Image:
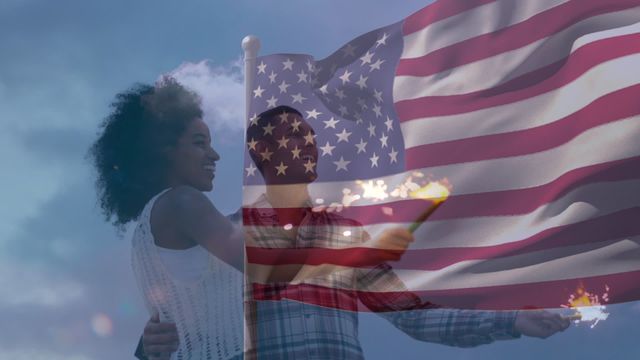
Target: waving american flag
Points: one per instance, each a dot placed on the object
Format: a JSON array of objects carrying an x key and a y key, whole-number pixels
[{"x": 529, "y": 109}]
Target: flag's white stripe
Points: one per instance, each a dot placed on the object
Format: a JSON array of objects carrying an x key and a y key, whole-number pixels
[
  {"x": 529, "y": 113},
  {"x": 615, "y": 256},
  {"x": 618, "y": 257},
  {"x": 584, "y": 203},
  {"x": 612, "y": 141},
  {"x": 496, "y": 70},
  {"x": 472, "y": 23},
  {"x": 609, "y": 142}
]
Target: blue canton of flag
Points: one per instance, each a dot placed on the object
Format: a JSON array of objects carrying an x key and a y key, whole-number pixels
[{"x": 347, "y": 100}]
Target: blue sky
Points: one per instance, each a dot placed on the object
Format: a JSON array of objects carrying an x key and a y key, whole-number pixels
[{"x": 62, "y": 268}]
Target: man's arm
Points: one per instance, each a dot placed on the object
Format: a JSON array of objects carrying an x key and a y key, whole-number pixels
[{"x": 453, "y": 327}]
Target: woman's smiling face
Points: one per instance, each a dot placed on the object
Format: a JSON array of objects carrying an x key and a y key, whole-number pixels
[{"x": 192, "y": 161}]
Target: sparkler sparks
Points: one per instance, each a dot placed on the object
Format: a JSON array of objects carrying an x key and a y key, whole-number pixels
[
  {"x": 378, "y": 190},
  {"x": 588, "y": 306}
]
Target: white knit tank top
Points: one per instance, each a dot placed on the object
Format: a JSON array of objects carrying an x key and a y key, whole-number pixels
[{"x": 207, "y": 311}]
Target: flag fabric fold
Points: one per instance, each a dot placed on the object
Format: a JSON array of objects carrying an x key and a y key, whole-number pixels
[{"x": 529, "y": 110}]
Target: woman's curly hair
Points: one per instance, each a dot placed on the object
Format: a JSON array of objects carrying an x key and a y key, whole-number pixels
[{"x": 130, "y": 152}]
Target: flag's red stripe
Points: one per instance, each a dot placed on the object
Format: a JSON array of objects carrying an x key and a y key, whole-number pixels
[
  {"x": 498, "y": 203},
  {"x": 437, "y": 11},
  {"x": 612, "y": 107},
  {"x": 548, "y": 294},
  {"x": 538, "y": 82},
  {"x": 613, "y": 226},
  {"x": 538, "y": 27}
]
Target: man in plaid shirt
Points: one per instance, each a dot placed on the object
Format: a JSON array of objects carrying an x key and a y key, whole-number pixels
[{"x": 315, "y": 315}]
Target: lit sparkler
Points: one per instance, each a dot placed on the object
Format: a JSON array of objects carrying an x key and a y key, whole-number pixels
[
  {"x": 434, "y": 191},
  {"x": 588, "y": 306}
]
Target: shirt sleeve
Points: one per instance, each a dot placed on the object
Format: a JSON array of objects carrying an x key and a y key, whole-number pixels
[{"x": 383, "y": 292}]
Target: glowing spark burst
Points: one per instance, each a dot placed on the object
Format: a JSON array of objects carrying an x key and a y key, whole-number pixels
[
  {"x": 102, "y": 325},
  {"x": 588, "y": 306},
  {"x": 374, "y": 190},
  {"x": 436, "y": 191}
]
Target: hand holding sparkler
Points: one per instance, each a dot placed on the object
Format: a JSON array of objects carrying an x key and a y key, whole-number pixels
[
  {"x": 393, "y": 242},
  {"x": 435, "y": 192},
  {"x": 540, "y": 323}
]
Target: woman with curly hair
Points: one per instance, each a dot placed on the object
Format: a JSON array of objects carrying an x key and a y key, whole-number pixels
[{"x": 154, "y": 160}]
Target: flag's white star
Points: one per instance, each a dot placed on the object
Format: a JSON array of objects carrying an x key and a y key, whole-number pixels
[
  {"x": 308, "y": 166},
  {"x": 288, "y": 64},
  {"x": 295, "y": 153},
  {"x": 316, "y": 69},
  {"x": 254, "y": 120},
  {"x": 389, "y": 124},
  {"x": 382, "y": 40},
  {"x": 282, "y": 143},
  {"x": 330, "y": 123},
  {"x": 252, "y": 144},
  {"x": 358, "y": 118},
  {"x": 374, "y": 160},
  {"x": 376, "y": 109},
  {"x": 362, "y": 103},
  {"x": 383, "y": 140},
  {"x": 271, "y": 102},
  {"x": 313, "y": 114},
  {"x": 258, "y": 92},
  {"x": 361, "y": 146},
  {"x": 261, "y": 68},
  {"x": 327, "y": 149},
  {"x": 349, "y": 50},
  {"x": 372, "y": 130},
  {"x": 343, "y": 110},
  {"x": 375, "y": 65},
  {"x": 296, "y": 125},
  {"x": 308, "y": 139},
  {"x": 345, "y": 77},
  {"x": 362, "y": 82},
  {"x": 266, "y": 155},
  {"x": 283, "y": 86},
  {"x": 366, "y": 59},
  {"x": 281, "y": 168},
  {"x": 298, "y": 98},
  {"x": 251, "y": 170},
  {"x": 272, "y": 77},
  {"x": 341, "y": 164},
  {"x": 343, "y": 136},
  {"x": 393, "y": 155},
  {"x": 284, "y": 117},
  {"x": 268, "y": 129},
  {"x": 302, "y": 76},
  {"x": 378, "y": 95},
  {"x": 323, "y": 89},
  {"x": 310, "y": 66},
  {"x": 340, "y": 94}
]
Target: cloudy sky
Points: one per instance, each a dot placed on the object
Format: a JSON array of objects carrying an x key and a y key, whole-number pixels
[{"x": 66, "y": 287}]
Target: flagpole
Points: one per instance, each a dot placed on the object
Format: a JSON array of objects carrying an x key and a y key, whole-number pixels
[{"x": 251, "y": 46}]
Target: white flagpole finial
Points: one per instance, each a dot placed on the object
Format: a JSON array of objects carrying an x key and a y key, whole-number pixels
[{"x": 251, "y": 46}]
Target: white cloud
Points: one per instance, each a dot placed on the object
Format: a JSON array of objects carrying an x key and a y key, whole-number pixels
[
  {"x": 32, "y": 354},
  {"x": 24, "y": 284},
  {"x": 221, "y": 89}
]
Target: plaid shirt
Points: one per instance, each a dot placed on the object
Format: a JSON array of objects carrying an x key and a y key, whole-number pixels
[{"x": 318, "y": 319}]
